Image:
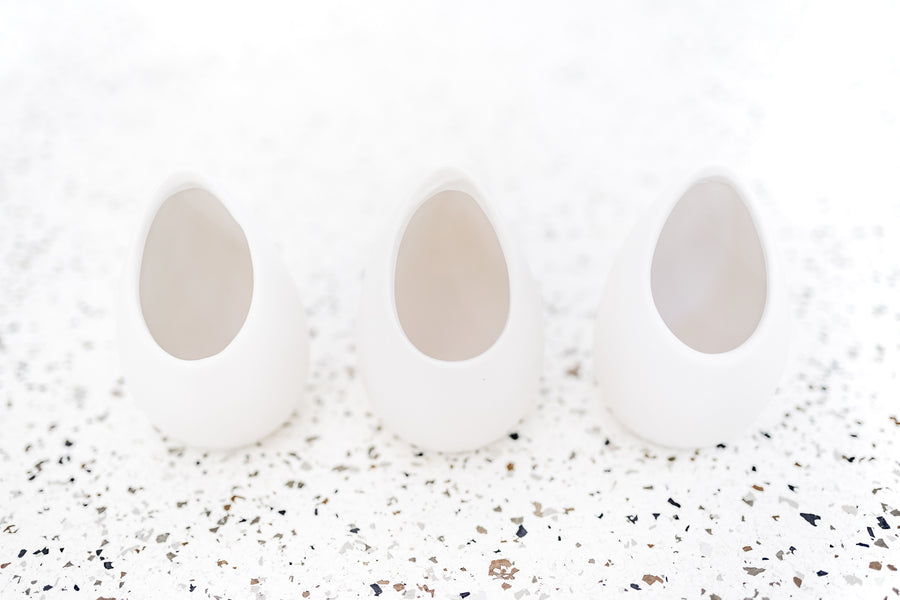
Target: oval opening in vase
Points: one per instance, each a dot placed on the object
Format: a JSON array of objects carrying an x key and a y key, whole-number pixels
[
  {"x": 196, "y": 279},
  {"x": 451, "y": 282},
  {"x": 708, "y": 275}
]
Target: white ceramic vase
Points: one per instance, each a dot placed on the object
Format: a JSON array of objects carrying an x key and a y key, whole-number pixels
[
  {"x": 212, "y": 335},
  {"x": 450, "y": 323},
  {"x": 693, "y": 327}
]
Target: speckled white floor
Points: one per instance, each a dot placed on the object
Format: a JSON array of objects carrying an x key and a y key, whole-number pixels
[{"x": 325, "y": 116}]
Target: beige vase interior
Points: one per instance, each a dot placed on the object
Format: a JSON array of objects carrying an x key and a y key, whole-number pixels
[
  {"x": 196, "y": 279},
  {"x": 451, "y": 283},
  {"x": 708, "y": 276}
]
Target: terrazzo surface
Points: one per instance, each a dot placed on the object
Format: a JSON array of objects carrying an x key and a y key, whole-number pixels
[{"x": 325, "y": 117}]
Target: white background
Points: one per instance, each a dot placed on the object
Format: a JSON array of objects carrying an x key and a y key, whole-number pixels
[{"x": 576, "y": 117}]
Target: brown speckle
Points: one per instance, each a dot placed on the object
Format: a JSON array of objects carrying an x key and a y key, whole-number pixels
[{"x": 502, "y": 568}]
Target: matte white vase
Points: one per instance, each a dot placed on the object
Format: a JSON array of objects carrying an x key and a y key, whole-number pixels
[
  {"x": 212, "y": 334},
  {"x": 450, "y": 323},
  {"x": 693, "y": 327}
]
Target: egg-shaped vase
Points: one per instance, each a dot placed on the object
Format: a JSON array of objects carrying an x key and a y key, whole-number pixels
[
  {"x": 212, "y": 336},
  {"x": 450, "y": 322},
  {"x": 693, "y": 327}
]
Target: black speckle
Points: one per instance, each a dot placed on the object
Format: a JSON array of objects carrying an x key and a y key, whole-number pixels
[
  {"x": 464, "y": 595},
  {"x": 635, "y": 586},
  {"x": 107, "y": 564},
  {"x": 354, "y": 530},
  {"x": 793, "y": 488},
  {"x": 193, "y": 587},
  {"x": 720, "y": 445},
  {"x": 673, "y": 503},
  {"x": 376, "y": 588},
  {"x": 77, "y": 589},
  {"x": 281, "y": 512},
  {"x": 882, "y": 523},
  {"x": 810, "y": 518},
  {"x": 655, "y": 516},
  {"x": 632, "y": 518},
  {"x": 22, "y": 552},
  {"x": 47, "y": 587},
  {"x": 522, "y": 532},
  {"x": 821, "y": 573},
  {"x": 514, "y": 436}
]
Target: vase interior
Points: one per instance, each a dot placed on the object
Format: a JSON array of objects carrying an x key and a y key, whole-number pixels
[
  {"x": 708, "y": 275},
  {"x": 451, "y": 281},
  {"x": 196, "y": 277}
]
